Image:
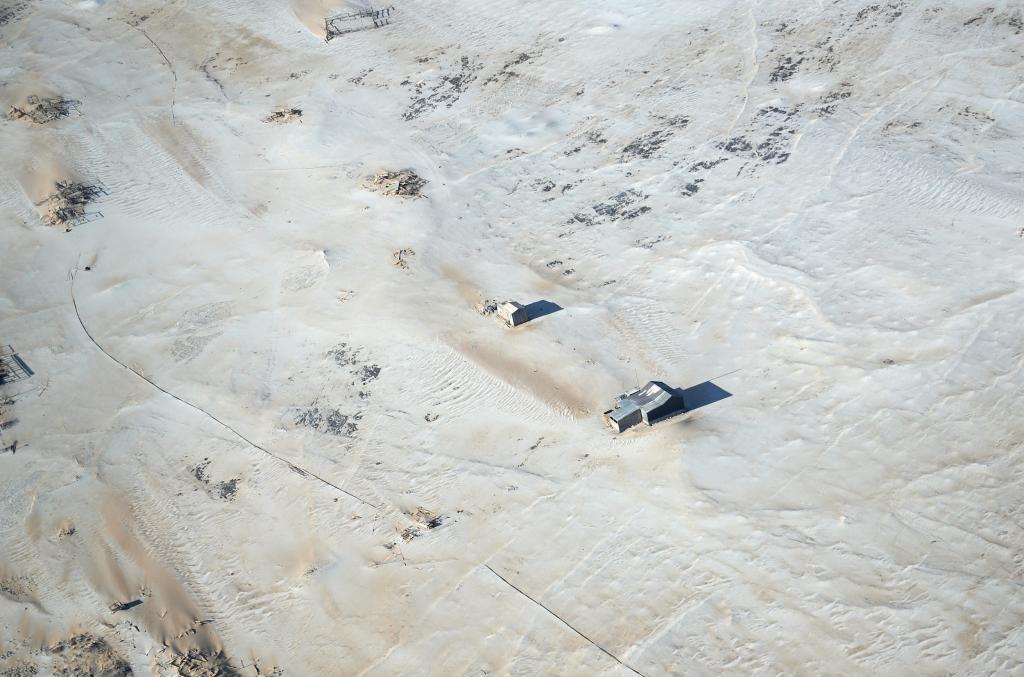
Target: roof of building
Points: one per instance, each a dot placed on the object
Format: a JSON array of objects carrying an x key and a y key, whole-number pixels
[
  {"x": 623, "y": 408},
  {"x": 655, "y": 400},
  {"x": 653, "y": 392}
]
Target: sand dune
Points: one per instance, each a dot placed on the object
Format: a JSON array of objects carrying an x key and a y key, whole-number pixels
[{"x": 259, "y": 425}]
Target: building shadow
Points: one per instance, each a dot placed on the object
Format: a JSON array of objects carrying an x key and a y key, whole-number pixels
[
  {"x": 124, "y": 606},
  {"x": 701, "y": 395},
  {"x": 541, "y": 308}
]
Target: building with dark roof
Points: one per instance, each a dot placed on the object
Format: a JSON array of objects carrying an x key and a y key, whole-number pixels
[{"x": 648, "y": 404}]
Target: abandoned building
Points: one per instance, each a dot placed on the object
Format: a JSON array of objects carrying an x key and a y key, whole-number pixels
[
  {"x": 514, "y": 314},
  {"x": 650, "y": 403}
]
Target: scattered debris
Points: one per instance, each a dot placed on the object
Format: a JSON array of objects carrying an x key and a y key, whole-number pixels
[
  {"x": 786, "y": 68},
  {"x": 352, "y": 22},
  {"x": 401, "y": 183},
  {"x": 359, "y": 368},
  {"x": 402, "y": 257},
  {"x": 368, "y": 372},
  {"x": 775, "y": 146},
  {"x": 329, "y": 421},
  {"x": 677, "y": 121},
  {"x": 506, "y": 71},
  {"x": 206, "y": 66},
  {"x": 901, "y": 126},
  {"x": 889, "y": 12},
  {"x": 284, "y": 116},
  {"x": 203, "y": 663},
  {"x": 358, "y": 80},
  {"x": 12, "y": 11},
  {"x": 618, "y": 206},
  {"x": 647, "y": 145},
  {"x": 343, "y": 355},
  {"x": 425, "y": 520},
  {"x": 446, "y": 91},
  {"x": 19, "y": 669},
  {"x": 594, "y": 136},
  {"x": 691, "y": 188},
  {"x": 487, "y": 307},
  {"x": 66, "y": 206},
  {"x": 226, "y": 489},
  {"x": 649, "y": 242},
  {"x": 707, "y": 164},
  {"x": 830, "y": 102},
  {"x": 17, "y": 587},
  {"x": 44, "y": 110}
]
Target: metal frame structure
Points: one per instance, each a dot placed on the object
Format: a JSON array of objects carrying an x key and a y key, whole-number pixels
[
  {"x": 12, "y": 367},
  {"x": 340, "y": 24}
]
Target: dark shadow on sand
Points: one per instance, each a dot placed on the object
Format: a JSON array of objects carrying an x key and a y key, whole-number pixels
[
  {"x": 701, "y": 395},
  {"x": 539, "y": 309}
]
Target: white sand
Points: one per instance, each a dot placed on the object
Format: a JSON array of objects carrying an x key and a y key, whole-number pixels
[{"x": 820, "y": 201}]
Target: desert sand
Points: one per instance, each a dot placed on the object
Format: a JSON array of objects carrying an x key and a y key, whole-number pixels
[{"x": 266, "y": 430}]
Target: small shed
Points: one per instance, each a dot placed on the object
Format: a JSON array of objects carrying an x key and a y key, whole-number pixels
[
  {"x": 650, "y": 403},
  {"x": 514, "y": 314}
]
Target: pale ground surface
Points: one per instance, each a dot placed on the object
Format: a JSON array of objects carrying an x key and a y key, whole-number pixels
[{"x": 821, "y": 200}]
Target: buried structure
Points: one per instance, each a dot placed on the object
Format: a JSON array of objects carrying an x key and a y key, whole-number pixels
[
  {"x": 513, "y": 314},
  {"x": 648, "y": 404}
]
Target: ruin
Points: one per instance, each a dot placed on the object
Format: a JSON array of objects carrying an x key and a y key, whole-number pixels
[
  {"x": 284, "y": 116},
  {"x": 44, "y": 110},
  {"x": 398, "y": 183},
  {"x": 351, "y": 22},
  {"x": 66, "y": 206},
  {"x": 649, "y": 404},
  {"x": 12, "y": 367}
]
